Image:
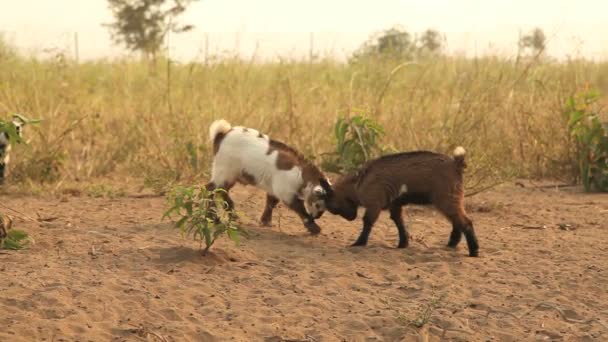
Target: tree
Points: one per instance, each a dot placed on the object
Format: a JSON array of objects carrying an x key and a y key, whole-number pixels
[
  {"x": 535, "y": 41},
  {"x": 398, "y": 44},
  {"x": 431, "y": 40},
  {"x": 393, "y": 43},
  {"x": 141, "y": 25}
]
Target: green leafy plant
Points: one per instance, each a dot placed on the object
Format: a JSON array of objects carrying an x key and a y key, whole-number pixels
[
  {"x": 12, "y": 239},
  {"x": 203, "y": 214},
  {"x": 357, "y": 141},
  {"x": 15, "y": 240},
  {"x": 590, "y": 140},
  {"x": 10, "y": 129}
]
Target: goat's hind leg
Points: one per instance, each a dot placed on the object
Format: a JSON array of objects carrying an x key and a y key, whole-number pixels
[
  {"x": 210, "y": 187},
  {"x": 462, "y": 224},
  {"x": 396, "y": 216},
  {"x": 455, "y": 236}
]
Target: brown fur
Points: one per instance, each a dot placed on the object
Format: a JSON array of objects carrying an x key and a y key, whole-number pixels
[
  {"x": 285, "y": 161},
  {"x": 288, "y": 157},
  {"x": 218, "y": 141},
  {"x": 247, "y": 179},
  {"x": 430, "y": 178}
]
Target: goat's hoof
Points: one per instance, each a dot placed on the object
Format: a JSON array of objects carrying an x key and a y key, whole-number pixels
[
  {"x": 314, "y": 230},
  {"x": 359, "y": 244},
  {"x": 266, "y": 223},
  {"x": 402, "y": 245},
  {"x": 473, "y": 253}
]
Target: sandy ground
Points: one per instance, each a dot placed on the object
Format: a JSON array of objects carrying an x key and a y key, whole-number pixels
[{"x": 111, "y": 270}]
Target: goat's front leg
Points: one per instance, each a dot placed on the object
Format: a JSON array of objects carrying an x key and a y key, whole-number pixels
[
  {"x": 297, "y": 205},
  {"x": 370, "y": 217},
  {"x": 271, "y": 203}
]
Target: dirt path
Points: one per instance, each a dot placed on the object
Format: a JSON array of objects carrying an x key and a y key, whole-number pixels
[{"x": 109, "y": 269}]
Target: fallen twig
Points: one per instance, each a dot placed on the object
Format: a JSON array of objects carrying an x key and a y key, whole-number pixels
[
  {"x": 524, "y": 226},
  {"x": 485, "y": 188},
  {"x": 20, "y": 214},
  {"x": 362, "y": 275},
  {"x": 144, "y": 332}
]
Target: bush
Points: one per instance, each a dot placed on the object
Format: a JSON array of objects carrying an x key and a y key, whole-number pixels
[
  {"x": 357, "y": 141},
  {"x": 203, "y": 214},
  {"x": 590, "y": 140}
]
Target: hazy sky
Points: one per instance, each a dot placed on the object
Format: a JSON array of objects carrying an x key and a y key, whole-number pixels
[{"x": 283, "y": 28}]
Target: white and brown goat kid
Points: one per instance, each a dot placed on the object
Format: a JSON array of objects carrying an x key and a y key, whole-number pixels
[
  {"x": 249, "y": 157},
  {"x": 5, "y": 146},
  {"x": 392, "y": 181}
]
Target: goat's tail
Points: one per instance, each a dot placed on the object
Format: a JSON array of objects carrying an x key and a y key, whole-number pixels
[
  {"x": 217, "y": 127},
  {"x": 459, "y": 154}
]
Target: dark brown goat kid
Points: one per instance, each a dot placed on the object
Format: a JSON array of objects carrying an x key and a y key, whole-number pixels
[{"x": 392, "y": 181}]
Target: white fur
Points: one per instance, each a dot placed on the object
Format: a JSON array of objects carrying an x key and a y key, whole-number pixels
[
  {"x": 246, "y": 151},
  {"x": 6, "y": 144},
  {"x": 217, "y": 127},
  {"x": 459, "y": 151},
  {"x": 403, "y": 189},
  {"x": 3, "y": 139},
  {"x": 4, "y": 155}
]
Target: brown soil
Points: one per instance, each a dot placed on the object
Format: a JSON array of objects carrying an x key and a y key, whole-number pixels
[{"x": 110, "y": 269}]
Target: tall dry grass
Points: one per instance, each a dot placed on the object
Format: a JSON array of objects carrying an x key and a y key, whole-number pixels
[{"x": 150, "y": 120}]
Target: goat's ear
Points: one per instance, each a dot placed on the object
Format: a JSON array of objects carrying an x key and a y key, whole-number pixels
[{"x": 326, "y": 186}]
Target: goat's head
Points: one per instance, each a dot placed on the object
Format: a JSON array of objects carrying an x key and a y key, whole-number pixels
[
  {"x": 338, "y": 201},
  {"x": 314, "y": 196},
  {"x": 19, "y": 123}
]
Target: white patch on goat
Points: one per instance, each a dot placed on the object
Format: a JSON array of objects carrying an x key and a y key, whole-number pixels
[
  {"x": 3, "y": 139},
  {"x": 252, "y": 132},
  {"x": 403, "y": 189},
  {"x": 218, "y": 127},
  {"x": 243, "y": 151},
  {"x": 318, "y": 190},
  {"x": 459, "y": 151},
  {"x": 4, "y": 152}
]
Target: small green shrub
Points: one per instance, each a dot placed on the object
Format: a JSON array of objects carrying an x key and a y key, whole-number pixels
[
  {"x": 15, "y": 240},
  {"x": 203, "y": 214},
  {"x": 357, "y": 141},
  {"x": 11, "y": 239},
  {"x": 590, "y": 140},
  {"x": 10, "y": 129}
]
